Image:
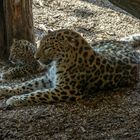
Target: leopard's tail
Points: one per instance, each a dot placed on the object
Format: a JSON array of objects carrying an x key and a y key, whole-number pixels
[{"x": 133, "y": 39}]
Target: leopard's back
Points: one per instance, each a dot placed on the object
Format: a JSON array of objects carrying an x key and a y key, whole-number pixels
[{"x": 110, "y": 64}]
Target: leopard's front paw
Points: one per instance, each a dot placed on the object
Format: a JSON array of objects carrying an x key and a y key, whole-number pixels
[
  {"x": 6, "y": 91},
  {"x": 16, "y": 101}
]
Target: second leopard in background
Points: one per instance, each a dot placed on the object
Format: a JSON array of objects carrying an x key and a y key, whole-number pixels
[{"x": 22, "y": 55}]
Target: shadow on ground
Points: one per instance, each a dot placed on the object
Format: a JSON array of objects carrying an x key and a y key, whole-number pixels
[{"x": 105, "y": 4}]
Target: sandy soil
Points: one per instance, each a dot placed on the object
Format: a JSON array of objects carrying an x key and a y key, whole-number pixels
[{"x": 109, "y": 115}]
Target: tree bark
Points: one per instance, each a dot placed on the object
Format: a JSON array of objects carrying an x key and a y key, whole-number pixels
[
  {"x": 2, "y": 34},
  {"x": 131, "y": 6},
  {"x": 16, "y": 21}
]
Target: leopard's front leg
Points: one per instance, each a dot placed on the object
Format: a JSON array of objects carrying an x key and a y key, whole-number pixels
[
  {"x": 44, "y": 96},
  {"x": 43, "y": 82}
]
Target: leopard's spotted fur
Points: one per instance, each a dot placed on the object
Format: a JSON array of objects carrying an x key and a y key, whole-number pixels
[
  {"x": 79, "y": 68},
  {"x": 22, "y": 55}
]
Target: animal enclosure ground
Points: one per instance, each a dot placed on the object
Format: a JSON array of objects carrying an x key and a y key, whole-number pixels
[{"x": 110, "y": 115}]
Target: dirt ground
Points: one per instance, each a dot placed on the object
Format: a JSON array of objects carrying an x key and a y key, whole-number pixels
[{"x": 109, "y": 115}]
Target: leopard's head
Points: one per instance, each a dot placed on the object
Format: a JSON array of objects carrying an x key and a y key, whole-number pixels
[
  {"x": 53, "y": 47},
  {"x": 21, "y": 52}
]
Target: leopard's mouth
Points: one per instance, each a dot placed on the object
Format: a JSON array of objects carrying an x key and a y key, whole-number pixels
[{"x": 45, "y": 61}]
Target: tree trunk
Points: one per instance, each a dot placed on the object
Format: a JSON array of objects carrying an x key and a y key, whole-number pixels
[
  {"x": 131, "y": 6},
  {"x": 2, "y": 35},
  {"x": 16, "y": 21}
]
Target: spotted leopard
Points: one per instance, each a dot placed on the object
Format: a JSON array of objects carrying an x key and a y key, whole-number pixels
[
  {"x": 22, "y": 55},
  {"x": 79, "y": 69}
]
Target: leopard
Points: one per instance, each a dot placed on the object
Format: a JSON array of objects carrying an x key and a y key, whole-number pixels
[
  {"x": 78, "y": 69},
  {"x": 22, "y": 57}
]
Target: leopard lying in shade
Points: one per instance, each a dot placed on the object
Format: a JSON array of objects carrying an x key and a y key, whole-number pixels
[
  {"x": 22, "y": 55},
  {"x": 79, "y": 69}
]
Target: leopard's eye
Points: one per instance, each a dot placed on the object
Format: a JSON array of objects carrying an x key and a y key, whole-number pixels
[{"x": 48, "y": 49}]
